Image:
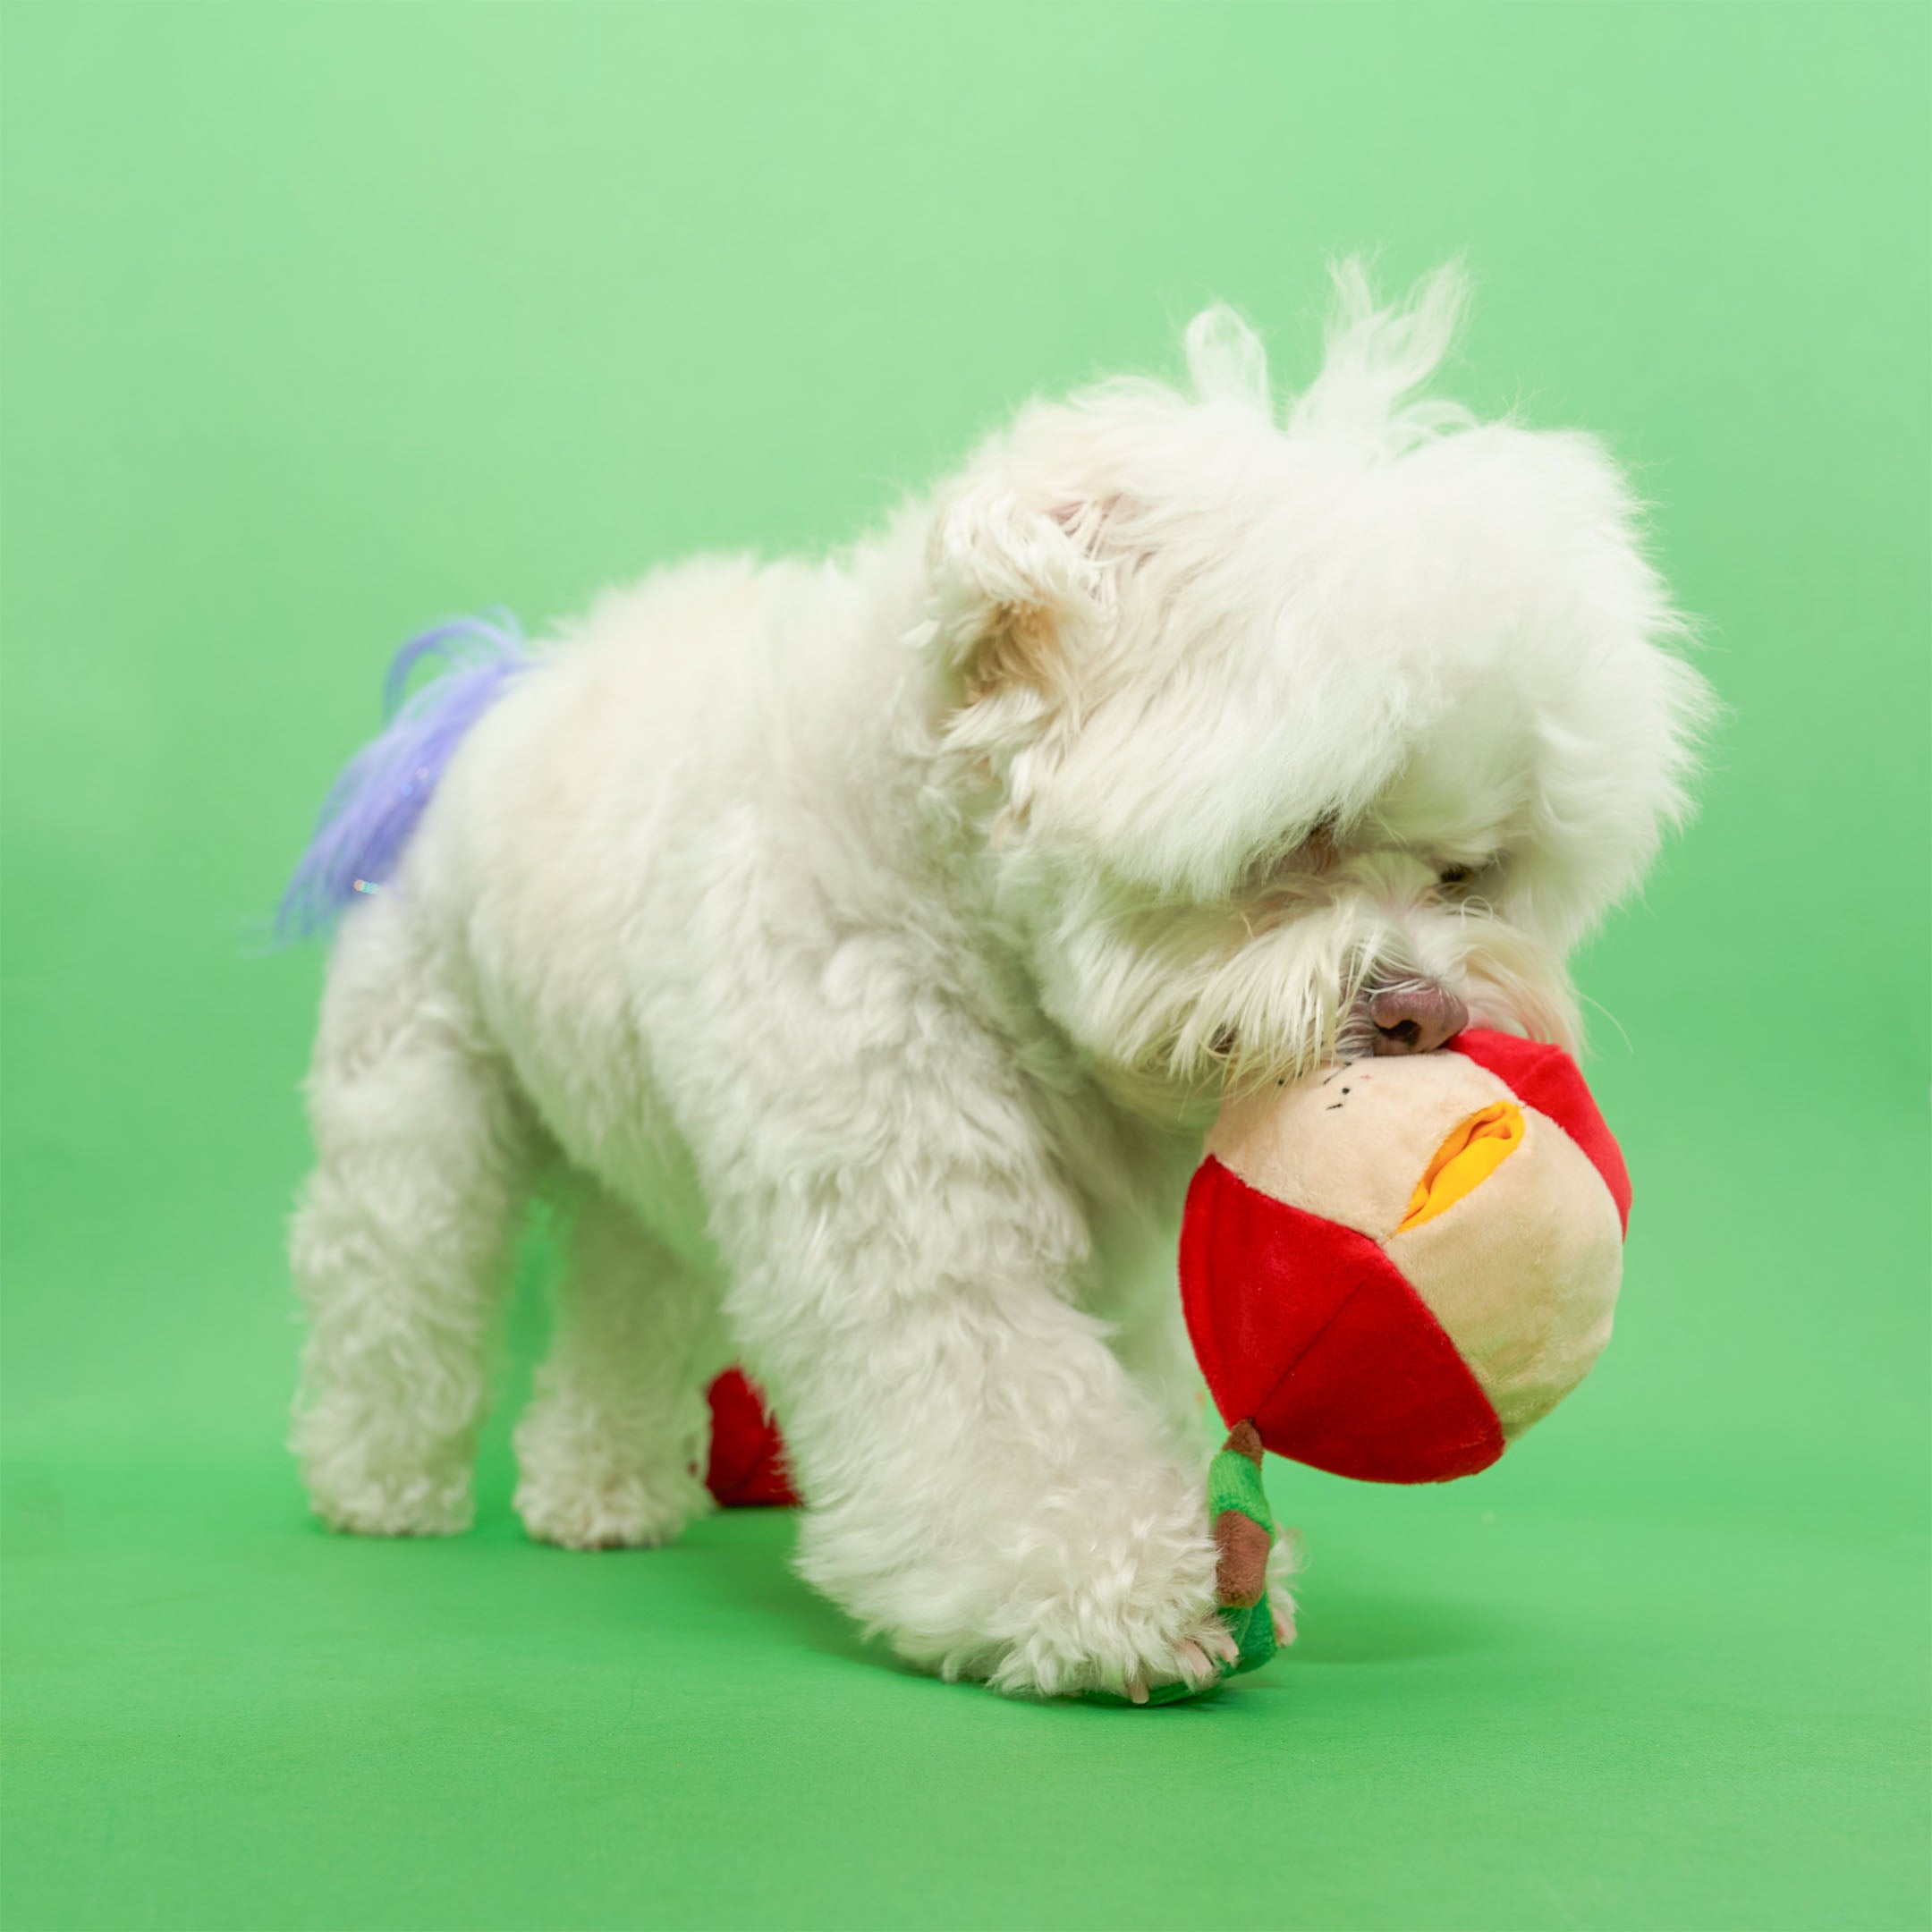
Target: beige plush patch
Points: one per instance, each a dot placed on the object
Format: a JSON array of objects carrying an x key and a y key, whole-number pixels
[
  {"x": 1523, "y": 1272},
  {"x": 1350, "y": 1142}
]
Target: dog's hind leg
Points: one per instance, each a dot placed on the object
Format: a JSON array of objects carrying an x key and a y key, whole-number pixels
[
  {"x": 402, "y": 1244},
  {"x": 611, "y": 1452}
]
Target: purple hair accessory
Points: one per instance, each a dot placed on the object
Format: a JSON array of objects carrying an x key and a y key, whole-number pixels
[{"x": 371, "y": 809}]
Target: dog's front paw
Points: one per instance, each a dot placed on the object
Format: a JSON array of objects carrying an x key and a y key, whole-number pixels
[
  {"x": 1070, "y": 1652},
  {"x": 1125, "y": 1609},
  {"x": 1192, "y": 1660}
]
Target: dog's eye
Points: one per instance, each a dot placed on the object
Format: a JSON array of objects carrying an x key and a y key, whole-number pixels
[
  {"x": 1455, "y": 875},
  {"x": 1316, "y": 851}
]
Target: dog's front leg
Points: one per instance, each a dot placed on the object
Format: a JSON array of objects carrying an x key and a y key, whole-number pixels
[{"x": 987, "y": 1485}]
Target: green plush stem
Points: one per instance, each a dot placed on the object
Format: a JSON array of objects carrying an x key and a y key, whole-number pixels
[{"x": 1234, "y": 1483}]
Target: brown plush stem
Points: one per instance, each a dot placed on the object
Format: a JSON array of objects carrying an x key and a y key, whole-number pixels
[
  {"x": 1240, "y": 1569},
  {"x": 1245, "y": 1439}
]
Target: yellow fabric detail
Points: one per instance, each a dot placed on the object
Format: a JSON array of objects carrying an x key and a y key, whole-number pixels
[{"x": 1476, "y": 1148}]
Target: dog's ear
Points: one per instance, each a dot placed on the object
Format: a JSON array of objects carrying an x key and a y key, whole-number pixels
[{"x": 1015, "y": 590}]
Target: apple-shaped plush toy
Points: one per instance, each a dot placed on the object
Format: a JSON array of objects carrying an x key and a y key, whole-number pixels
[{"x": 1391, "y": 1269}]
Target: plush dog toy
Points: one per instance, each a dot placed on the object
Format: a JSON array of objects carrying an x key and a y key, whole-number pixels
[
  {"x": 1390, "y": 1270},
  {"x": 1395, "y": 1266}
]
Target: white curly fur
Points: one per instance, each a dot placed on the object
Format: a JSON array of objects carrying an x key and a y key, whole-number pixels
[{"x": 862, "y": 945}]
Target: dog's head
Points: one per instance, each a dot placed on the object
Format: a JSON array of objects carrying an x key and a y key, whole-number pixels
[{"x": 1312, "y": 734}]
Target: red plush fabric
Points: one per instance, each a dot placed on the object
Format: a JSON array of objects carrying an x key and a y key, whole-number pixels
[
  {"x": 1309, "y": 1329},
  {"x": 746, "y": 1468},
  {"x": 1548, "y": 1079}
]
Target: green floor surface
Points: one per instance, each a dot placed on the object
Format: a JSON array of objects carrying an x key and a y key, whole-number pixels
[{"x": 221, "y": 1718}]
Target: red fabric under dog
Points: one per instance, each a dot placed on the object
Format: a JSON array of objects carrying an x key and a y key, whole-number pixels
[{"x": 746, "y": 1468}]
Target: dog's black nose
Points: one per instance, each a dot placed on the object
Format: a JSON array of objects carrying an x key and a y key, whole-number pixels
[{"x": 1415, "y": 1018}]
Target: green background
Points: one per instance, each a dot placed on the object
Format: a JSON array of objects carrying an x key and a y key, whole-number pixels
[{"x": 322, "y": 322}]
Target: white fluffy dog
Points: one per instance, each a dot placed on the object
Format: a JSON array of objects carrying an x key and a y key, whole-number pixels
[{"x": 861, "y": 947}]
